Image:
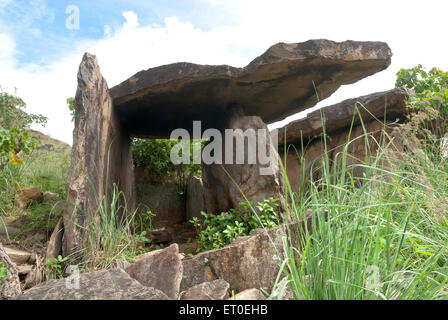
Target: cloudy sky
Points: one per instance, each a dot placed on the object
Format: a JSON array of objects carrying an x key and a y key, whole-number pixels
[{"x": 40, "y": 52}]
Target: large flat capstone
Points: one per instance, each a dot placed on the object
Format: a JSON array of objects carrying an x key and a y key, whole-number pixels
[{"x": 286, "y": 79}]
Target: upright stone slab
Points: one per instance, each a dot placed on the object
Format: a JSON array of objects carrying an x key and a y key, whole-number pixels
[
  {"x": 227, "y": 185},
  {"x": 101, "y": 156}
]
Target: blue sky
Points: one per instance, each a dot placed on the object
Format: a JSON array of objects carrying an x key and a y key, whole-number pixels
[
  {"x": 39, "y": 56},
  {"x": 39, "y": 25}
]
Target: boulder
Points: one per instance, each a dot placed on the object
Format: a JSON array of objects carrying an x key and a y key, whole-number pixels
[
  {"x": 160, "y": 269},
  {"x": 25, "y": 197},
  {"x": 113, "y": 284},
  {"x": 10, "y": 287},
  {"x": 101, "y": 156},
  {"x": 213, "y": 290},
  {"x": 249, "y": 294},
  {"x": 286, "y": 79},
  {"x": 195, "y": 199},
  {"x": 249, "y": 262}
]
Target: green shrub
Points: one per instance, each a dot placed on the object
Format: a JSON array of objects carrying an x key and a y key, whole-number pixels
[
  {"x": 54, "y": 267},
  {"x": 217, "y": 231},
  {"x": 431, "y": 95}
]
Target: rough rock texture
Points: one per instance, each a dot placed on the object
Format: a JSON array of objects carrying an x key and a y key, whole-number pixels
[
  {"x": 213, "y": 290},
  {"x": 10, "y": 287},
  {"x": 195, "y": 199},
  {"x": 163, "y": 199},
  {"x": 54, "y": 246},
  {"x": 18, "y": 256},
  {"x": 225, "y": 185},
  {"x": 101, "y": 152},
  {"x": 392, "y": 103},
  {"x": 249, "y": 262},
  {"x": 25, "y": 197},
  {"x": 277, "y": 84},
  {"x": 113, "y": 284},
  {"x": 246, "y": 263},
  {"x": 379, "y": 111},
  {"x": 161, "y": 269},
  {"x": 249, "y": 294}
]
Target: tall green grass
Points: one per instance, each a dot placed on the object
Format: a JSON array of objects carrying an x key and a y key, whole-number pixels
[{"x": 383, "y": 238}]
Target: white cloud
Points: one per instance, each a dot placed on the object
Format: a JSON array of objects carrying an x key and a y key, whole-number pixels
[{"x": 413, "y": 32}]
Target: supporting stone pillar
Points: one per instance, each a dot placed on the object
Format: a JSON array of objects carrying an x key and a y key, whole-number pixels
[
  {"x": 101, "y": 156},
  {"x": 227, "y": 185}
]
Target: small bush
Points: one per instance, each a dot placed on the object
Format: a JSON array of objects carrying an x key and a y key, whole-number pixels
[{"x": 220, "y": 230}]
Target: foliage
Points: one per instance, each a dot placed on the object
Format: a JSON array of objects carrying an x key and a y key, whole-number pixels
[
  {"x": 13, "y": 124},
  {"x": 143, "y": 221},
  {"x": 13, "y": 115},
  {"x": 384, "y": 239},
  {"x": 54, "y": 267},
  {"x": 431, "y": 93},
  {"x": 217, "y": 231},
  {"x": 71, "y": 106},
  {"x": 3, "y": 271},
  {"x": 3, "y": 274},
  {"x": 12, "y": 142},
  {"x": 154, "y": 155}
]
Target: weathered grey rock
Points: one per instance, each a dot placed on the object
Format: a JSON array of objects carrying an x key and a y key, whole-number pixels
[
  {"x": 25, "y": 197},
  {"x": 227, "y": 185},
  {"x": 10, "y": 287},
  {"x": 163, "y": 200},
  {"x": 195, "y": 199},
  {"x": 249, "y": 294},
  {"x": 161, "y": 269},
  {"x": 249, "y": 262},
  {"x": 213, "y": 290},
  {"x": 54, "y": 246},
  {"x": 279, "y": 83},
  {"x": 393, "y": 104},
  {"x": 101, "y": 155},
  {"x": 100, "y": 285}
]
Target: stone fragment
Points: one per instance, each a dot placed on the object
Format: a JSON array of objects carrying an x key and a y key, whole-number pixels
[
  {"x": 113, "y": 284},
  {"x": 160, "y": 269},
  {"x": 213, "y": 290},
  {"x": 249, "y": 294},
  {"x": 25, "y": 197}
]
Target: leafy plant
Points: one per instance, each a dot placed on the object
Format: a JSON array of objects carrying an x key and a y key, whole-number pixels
[
  {"x": 3, "y": 271},
  {"x": 431, "y": 94},
  {"x": 217, "y": 231},
  {"x": 71, "y": 106},
  {"x": 54, "y": 267},
  {"x": 13, "y": 115}
]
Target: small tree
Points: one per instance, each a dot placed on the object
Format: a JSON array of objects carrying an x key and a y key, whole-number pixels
[{"x": 14, "y": 122}]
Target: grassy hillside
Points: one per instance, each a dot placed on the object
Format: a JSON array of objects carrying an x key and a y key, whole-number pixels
[{"x": 45, "y": 168}]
